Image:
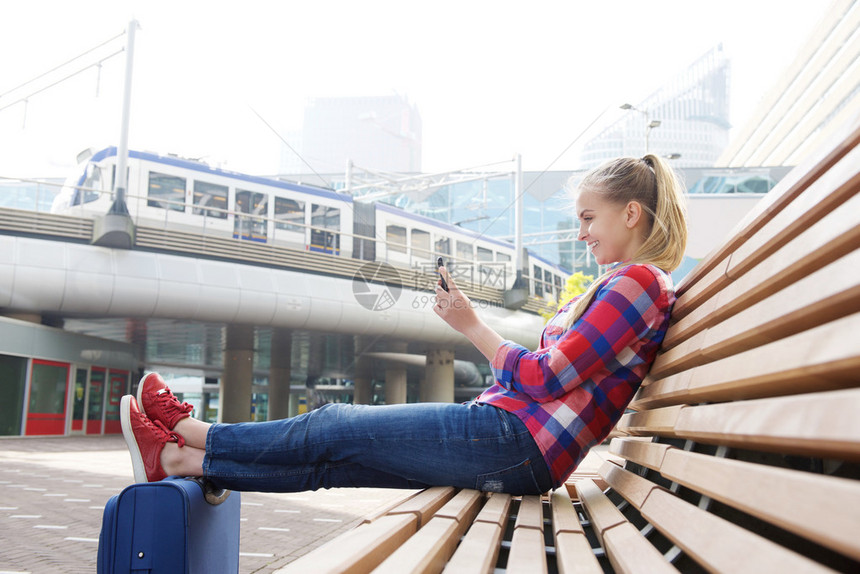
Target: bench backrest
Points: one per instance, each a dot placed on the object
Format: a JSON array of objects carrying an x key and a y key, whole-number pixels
[{"x": 742, "y": 452}]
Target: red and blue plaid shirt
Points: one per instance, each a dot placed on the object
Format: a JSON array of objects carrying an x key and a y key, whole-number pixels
[{"x": 575, "y": 387}]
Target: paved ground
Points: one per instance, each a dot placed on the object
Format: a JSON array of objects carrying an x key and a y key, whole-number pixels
[{"x": 53, "y": 491}]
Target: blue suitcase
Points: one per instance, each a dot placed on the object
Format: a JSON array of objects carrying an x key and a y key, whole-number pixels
[{"x": 173, "y": 526}]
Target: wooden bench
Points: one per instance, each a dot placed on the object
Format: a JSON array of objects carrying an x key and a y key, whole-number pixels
[{"x": 740, "y": 452}]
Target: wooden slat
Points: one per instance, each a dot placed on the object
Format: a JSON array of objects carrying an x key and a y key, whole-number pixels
[
  {"x": 629, "y": 553},
  {"x": 696, "y": 320},
  {"x": 426, "y": 551},
  {"x": 431, "y": 547},
  {"x": 715, "y": 543},
  {"x": 573, "y": 553},
  {"x": 827, "y": 294},
  {"x": 600, "y": 509},
  {"x": 528, "y": 550},
  {"x": 359, "y": 550},
  {"x": 683, "y": 356},
  {"x": 564, "y": 518},
  {"x": 656, "y": 421},
  {"x": 627, "y": 550},
  {"x": 479, "y": 549},
  {"x": 425, "y": 504},
  {"x": 495, "y": 510},
  {"x": 527, "y": 554},
  {"x": 831, "y": 292},
  {"x": 661, "y": 392},
  {"x": 718, "y": 544},
  {"x": 530, "y": 513},
  {"x": 821, "y": 508},
  {"x": 631, "y": 486},
  {"x": 830, "y": 190},
  {"x": 819, "y": 359},
  {"x": 380, "y": 512},
  {"x": 576, "y": 477},
  {"x": 647, "y": 454},
  {"x": 705, "y": 288},
  {"x": 816, "y": 424},
  {"x": 794, "y": 183},
  {"x": 463, "y": 507},
  {"x": 478, "y": 552},
  {"x": 827, "y": 239}
]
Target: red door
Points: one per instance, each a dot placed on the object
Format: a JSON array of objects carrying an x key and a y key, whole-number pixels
[{"x": 46, "y": 412}]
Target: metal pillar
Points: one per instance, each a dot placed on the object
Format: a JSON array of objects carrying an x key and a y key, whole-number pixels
[
  {"x": 236, "y": 384},
  {"x": 115, "y": 228},
  {"x": 438, "y": 383},
  {"x": 280, "y": 373}
]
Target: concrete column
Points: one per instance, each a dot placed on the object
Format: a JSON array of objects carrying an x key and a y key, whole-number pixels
[
  {"x": 235, "y": 395},
  {"x": 438, "y": 383},
  {"x": 279, "y": 374},
  {"x": 362, "y": 373},
  {"x": 395, "y": 377}
]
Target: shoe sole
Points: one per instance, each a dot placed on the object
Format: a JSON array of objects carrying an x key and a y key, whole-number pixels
[
  {"x": 136, "y": 459},
  {"x": 140, "y": 393}
]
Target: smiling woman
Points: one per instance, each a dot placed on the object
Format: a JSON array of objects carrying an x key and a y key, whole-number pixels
[{"x": 631, "y": 211}]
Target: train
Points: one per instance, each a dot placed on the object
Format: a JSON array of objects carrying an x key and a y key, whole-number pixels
[{"x": 190, "y": 195}]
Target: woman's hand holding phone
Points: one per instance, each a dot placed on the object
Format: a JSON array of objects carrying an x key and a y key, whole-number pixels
[{"x": 440, "y": 263}]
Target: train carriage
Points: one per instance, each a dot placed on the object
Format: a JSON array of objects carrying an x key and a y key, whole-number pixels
[{"x": 188, "y": 195}]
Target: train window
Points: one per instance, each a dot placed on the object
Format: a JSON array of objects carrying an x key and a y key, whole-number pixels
[
  {"x": 325, "y": 216},
  {"x": 465, "y": 251},
  {"x": 253, "y": 225},
  {"x": 166, "y": 191},
  {"x": 92, "y": 181},
  {"x": 421, "y": 243},
  {"x": 395, "y": 238},
  {"x": 210, "y": 195},
  {"x": 289, "y": 214},
  {"x": 485, "y": 254},
  {"x": 443, "y": 246},
  {"x": 538, "y": 277},
  {"x": 558, "y": 286},
  {"x": 503, "y": 257}
]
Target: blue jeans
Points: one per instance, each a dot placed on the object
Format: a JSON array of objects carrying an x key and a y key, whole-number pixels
[{"x": 394, "y": 446}]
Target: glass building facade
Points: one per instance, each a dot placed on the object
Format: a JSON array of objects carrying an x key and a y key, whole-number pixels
[{"x": 693, "y": 115}]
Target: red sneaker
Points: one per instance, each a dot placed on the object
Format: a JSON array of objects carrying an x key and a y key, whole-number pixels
[
  {"x": 145, "y": 439},
  {"x": 158, "y": 403}
]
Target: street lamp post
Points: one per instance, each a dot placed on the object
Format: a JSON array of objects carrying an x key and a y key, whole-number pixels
[{"x": 649, "y": 123}]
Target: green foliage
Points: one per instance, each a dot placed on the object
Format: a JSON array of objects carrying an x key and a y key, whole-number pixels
[{"x": 575, "y": 285}]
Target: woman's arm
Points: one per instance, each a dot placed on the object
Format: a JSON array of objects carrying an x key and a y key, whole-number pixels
[
  {"x": 630, "y": 306},
  {"x": 457, "y": 310}
]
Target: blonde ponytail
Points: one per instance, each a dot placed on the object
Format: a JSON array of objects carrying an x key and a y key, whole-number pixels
[{"x": 652, "y": 183}]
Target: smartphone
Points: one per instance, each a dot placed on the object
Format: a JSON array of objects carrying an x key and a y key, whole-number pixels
[{"x": 440, "y": 263}]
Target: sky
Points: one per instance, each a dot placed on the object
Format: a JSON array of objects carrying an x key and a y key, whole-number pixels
[{"x": 224, "y": 81}]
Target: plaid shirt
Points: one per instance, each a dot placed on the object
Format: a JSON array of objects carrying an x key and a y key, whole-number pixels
[{"x": 575, "y": 387}]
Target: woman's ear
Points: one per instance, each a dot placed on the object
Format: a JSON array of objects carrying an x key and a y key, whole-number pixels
[{"x": 632, "y": 214}]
